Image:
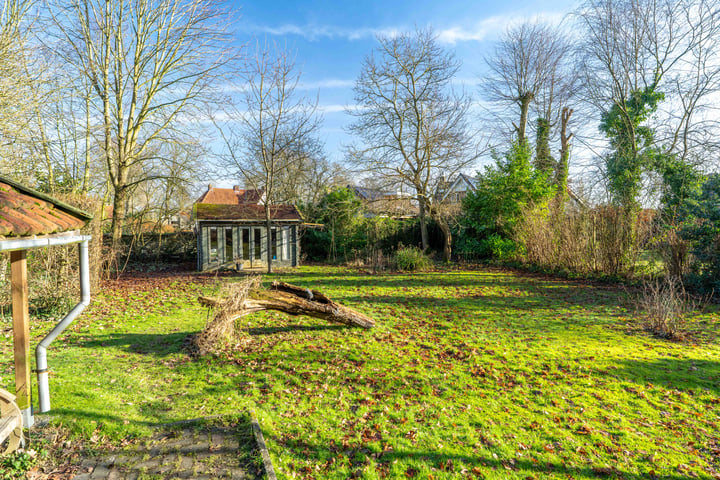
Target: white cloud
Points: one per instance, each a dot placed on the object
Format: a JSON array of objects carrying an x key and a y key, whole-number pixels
[
  {"x": 317, "y": 32},
  {"x": 481, "y": 30},
  {"x": 470, "y": 82},
  {"x": 326, "y": 84},
  {"x": 338, "y": 108},
  {"x": 491, "y": 26}
]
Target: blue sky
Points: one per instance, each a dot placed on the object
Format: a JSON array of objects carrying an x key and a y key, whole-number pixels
[{"x": 331, "y": 38}]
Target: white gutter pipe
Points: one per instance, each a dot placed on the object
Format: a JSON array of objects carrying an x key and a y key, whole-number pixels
[{"x": 41, "y": 349}]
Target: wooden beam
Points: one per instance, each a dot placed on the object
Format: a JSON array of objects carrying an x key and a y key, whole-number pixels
[{"x": 21, "y": 328}]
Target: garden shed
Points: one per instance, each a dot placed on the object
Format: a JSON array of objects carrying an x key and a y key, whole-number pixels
[
  {"x": 29, "y": 220},
  {"x": 232, "y": 233}
]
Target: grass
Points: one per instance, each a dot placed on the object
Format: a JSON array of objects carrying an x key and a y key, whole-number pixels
[{"x": 483, "y": 374}]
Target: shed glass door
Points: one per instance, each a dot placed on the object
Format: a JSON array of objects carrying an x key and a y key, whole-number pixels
[
  {"x": 245, "y": 241},
  {"x": 229, "y": 255}
]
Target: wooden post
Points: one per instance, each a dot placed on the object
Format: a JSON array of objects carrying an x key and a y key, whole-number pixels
[{"x": 21, "y": 331}]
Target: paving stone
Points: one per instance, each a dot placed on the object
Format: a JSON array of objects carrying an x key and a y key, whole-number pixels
[
  {"x": 196, "y": 453},
  {"x": 148, "y": 464},
  {"x": 115, "y": 475},
  {"x": 187, "y": 463},
  {"x": 101, "y": 471},
  {"x": 120, "y": 459},
  {"x": 217, "y": 438},
  {"x": 171, "y": 457}
]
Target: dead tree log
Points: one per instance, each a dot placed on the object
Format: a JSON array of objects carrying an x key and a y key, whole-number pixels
[
  {"x": 295, "y": 300},
  {"x": 247, "y": 297}
]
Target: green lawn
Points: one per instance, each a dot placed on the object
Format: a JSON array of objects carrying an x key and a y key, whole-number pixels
[{"x": 469, "y": 373}]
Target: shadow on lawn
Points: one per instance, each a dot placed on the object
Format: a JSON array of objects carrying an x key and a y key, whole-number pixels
[
  {"x": 142, "y": 343},
  {"x": 494, "y": 462},
  {"x": 446, "y": 280},
  {"x": 293, "y": 328},
  {"x": 680, "y": 374},
  {"x": 534, "y": 311}
]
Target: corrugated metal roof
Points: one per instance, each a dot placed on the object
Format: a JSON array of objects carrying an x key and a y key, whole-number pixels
[
  {"x": 246, "y": 212},
  {"x": 27, "y": 212}
]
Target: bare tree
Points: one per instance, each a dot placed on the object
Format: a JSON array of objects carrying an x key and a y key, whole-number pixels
[
  {"x": 665, "y": 46},
  {"x": 412, "y": 125},
  {"x": 529, "y": 68},
  {"x": 652, "y": 70},
  {"x": 16, "y": 86},
  {"x": 305, "y": 174},
  {"x": 148, "y": 63},
  {"x": 271, "y": 130}
]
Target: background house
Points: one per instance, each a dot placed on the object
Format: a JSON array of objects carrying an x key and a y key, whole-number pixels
[
  {"x": 384, "y": 203},
  {"x": 231, "y": 230},
  {"x": 452, "y": 191}
]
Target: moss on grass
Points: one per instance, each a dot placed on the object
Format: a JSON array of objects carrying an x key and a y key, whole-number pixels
[{"x": 469, "y": 373}]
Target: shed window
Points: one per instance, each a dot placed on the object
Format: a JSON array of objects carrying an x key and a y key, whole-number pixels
[
  {"x": 256, "y": 245},
  {"x": 286, "y": 243},
  {"x": 273, "y": 243},
  {"x": 229, "y": 245},
  {"x": 213, "y": 244},
  {"x": 246, "y": 243}
]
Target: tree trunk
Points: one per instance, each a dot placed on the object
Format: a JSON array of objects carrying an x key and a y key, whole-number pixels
[
  {"x": 543, "y": 160},
  {"x": 118, "y": 220},
  {"x": 423, "y": 225},
  {"x": 561, "y": 173},
  {"x": 295, "y": 300},
  {"x": 268, "y": 238},
  {"x": 447, "y": 240},
  {"x": 524, "y": 107},
  {"x": 247, "y": 297},
  {"x": 447, "y": 234}
]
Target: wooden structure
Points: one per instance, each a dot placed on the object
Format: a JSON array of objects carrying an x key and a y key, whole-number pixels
[
  {"x": 232, "y": 233},
  {"x": 11, "y": 423},
  {"x": 30, "y": 219}
]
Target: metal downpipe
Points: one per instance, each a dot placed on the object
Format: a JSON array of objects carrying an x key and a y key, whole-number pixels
[{"x": 41, "y": 349}]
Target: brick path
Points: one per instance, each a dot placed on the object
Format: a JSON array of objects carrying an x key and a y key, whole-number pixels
[{"x": 182, "y": 452}]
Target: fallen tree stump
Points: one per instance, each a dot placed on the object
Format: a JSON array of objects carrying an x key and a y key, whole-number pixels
[{"x": 247, "y": 297}]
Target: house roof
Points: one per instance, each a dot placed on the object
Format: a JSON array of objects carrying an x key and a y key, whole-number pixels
[
  {"x": 245, "y": 212},
  {"x": 231, "y": 196},
  {"x": 369, "y": 194},
  {"x": 27, "y": 212},
  {"x": 470, "y": 182},
  {"x": 461, "y": 183}
]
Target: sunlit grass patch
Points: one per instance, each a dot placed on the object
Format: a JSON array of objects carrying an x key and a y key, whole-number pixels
[{"x": 468, "y": 373}]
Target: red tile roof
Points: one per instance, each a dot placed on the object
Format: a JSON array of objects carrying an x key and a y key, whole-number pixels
[
  {"x": 231, "y": 196},
  {"x": 249, "y": 212},
  {"x": 237, "y": 205},
  {"x": 26, "y": 212}
]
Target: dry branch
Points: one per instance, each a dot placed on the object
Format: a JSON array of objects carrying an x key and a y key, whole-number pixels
[{"x": 247, "y": 297}]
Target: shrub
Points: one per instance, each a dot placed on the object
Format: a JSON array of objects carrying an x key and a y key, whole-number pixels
[
  {"x": 503, "y": 193},
  {"x": 665, "y": 306},
  {"x": 499, "y": 248},
  {"x": 15, "y": 465},
  {"x": 702, "y": 230},
  {"x": 411, "y": 259},
  {"x": 582, "y": 241}
]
